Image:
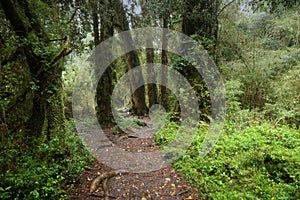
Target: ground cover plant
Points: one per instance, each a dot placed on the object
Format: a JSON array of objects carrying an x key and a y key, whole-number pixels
[{"x": 42, "y": 172}]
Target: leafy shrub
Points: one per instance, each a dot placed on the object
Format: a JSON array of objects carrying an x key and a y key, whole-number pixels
[
  {"x": 259, "y": 162},
  {"x": 167, "y": 134},
  {"x": 284, "y": 104},
  {"x": 39, "y": 173}
]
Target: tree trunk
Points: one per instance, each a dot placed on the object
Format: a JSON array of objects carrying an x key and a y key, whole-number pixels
[
  {"x": 95, "y": 17},
  {"x": 105, "y": 84},
  {"x": 202, "y": 18},
  {"x": 132, "y": 60},
  {"x": 152, "y": 89},
  {"x": 43, "y": 104},
  {"x": 164, "y": 61}
]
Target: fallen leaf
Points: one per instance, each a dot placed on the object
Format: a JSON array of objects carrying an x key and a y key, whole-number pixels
[
  {"x": 189, "y": 197},
  {"x": 134, "y": 186}
]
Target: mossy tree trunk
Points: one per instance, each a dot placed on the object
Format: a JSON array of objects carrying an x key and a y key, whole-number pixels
[
  {"x": 152, "y": 89},
  {"x": 39, "y": 97},
  {"x": 105, "y": 84},
  {"x": 164, "y": 61},
  {"x": 200, "y": 19},
  {"x": 131, "y": 59}
]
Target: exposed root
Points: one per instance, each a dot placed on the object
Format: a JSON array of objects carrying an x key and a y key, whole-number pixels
[
  {"x": 103, "y": 178},
  {"x": 91, "y": 168},
  {"x": 126, "y": 137}
]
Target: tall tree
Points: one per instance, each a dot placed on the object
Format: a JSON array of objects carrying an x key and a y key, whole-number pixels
[
  {"x": 148, "y": 19},
  {"x": 131, "y": 59},
  {"x": 164, "y": 61},
  {"x": 38, "y": 100},
  {"x": 105, "y": 84},
  {"x": 201, "y": 18},
  {"x": 152, "y": 89}
]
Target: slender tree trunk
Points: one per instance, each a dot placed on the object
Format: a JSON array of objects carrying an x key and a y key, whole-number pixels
[
  {"x": 152, "y": 89},
  {"x": 164, "y": 61},
  {"x": 105, "y": 84},
  {"x": 201, "y": 17},
  {"x": 95, "y": 17},
  {"x": 132, "y": 60}
]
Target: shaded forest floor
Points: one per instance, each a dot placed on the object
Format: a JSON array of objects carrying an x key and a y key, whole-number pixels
[{"x": 165, "y": 183}]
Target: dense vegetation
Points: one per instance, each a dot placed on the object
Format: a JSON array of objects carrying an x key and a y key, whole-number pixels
[
  {"x": 257, "y": 155},
  {"x": 255, "y": 46}
]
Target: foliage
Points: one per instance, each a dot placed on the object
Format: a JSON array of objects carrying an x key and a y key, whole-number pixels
[
  {"x": 259, "y": 58},
  {"x": 127, "y": 123},
  {"x": 166, "y": 134},
  {"x": 284, "y": 106},
  {"x": 273, "y": 5},
  {"x": 256, "y": 162},
  {"x": 41, "y": 172}
]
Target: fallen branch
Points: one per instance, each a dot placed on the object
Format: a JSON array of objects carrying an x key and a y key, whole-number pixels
[
  {"x": 62, "y": 54},
  {"x": 182, "y": 192},
  {"x": 59, "y": 39}
]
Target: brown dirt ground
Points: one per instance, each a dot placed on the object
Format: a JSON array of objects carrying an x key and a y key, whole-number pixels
[{"x": 163, "y": 184}]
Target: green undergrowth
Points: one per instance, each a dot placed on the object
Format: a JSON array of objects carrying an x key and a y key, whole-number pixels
[
  {"x": 42, "y": 171},
  {"x": 259, "y": 161},
  {"x": 127, "y": 123}
]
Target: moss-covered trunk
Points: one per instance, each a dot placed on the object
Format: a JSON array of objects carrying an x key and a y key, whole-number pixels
[
  {"x": 132, "y": 60},
  {"x": 105, "y": 84},
  {"x": 33, "y": 76}
]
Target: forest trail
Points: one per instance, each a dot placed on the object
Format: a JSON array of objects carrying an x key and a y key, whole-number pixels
[{"x": 163, "y": 184}]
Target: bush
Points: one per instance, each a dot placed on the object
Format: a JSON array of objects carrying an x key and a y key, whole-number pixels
[
  {"x": 39, "y": 173},
  {"x": 259, "y": 162}
]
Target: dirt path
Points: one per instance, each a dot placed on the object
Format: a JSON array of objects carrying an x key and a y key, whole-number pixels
[{"x": 165, "y": 183}]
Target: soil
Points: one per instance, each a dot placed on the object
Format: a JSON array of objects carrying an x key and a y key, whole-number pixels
[{"x": 163, "y": 184}]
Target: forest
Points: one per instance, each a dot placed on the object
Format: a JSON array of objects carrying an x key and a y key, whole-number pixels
[{"x": 220, "y": 79}]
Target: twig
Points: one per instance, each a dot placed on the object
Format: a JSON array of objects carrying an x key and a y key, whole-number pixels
[
  {"x": 224, "y": 7},
  {"x": 59, "y": 39},
  {"x": 73, "y": 15},
  {"x": 182, "y": 192},
  {"x": 62, "y": 54}
]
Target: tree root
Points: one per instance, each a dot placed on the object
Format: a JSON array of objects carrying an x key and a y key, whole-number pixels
[
  {"x": 103, "y": 178},
  {"x": 126, "y": 137}
]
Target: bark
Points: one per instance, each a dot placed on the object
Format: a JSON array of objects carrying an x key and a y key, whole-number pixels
[
  {"x": 132, "y": 60},
  {"x": 164, "y": 61},
  {"x": 152, "y": 89},
  {"x": 204, "y": 22},
  {"x": 96, "y": 31},
  {"x": 43, "y": 105},
  {"x": 201, "y": 18},
  {"x": 105, "y": 84}
]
